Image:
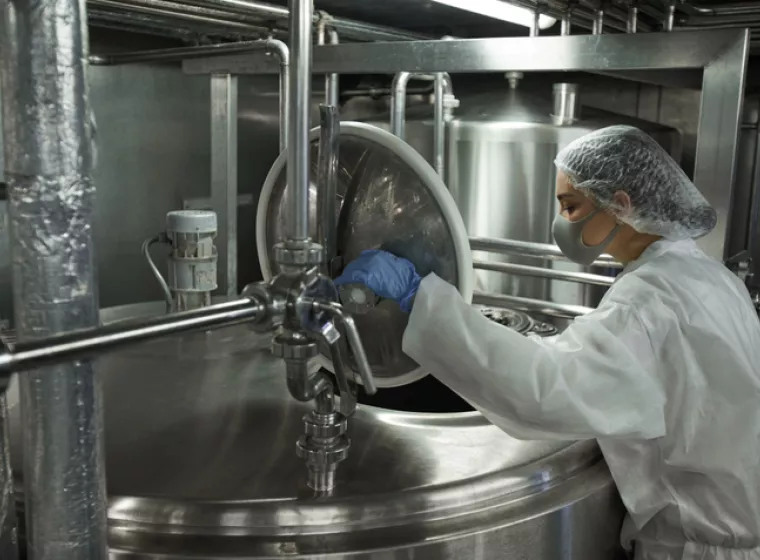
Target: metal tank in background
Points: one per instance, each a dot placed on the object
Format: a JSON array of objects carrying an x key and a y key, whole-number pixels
[{"x": 499, "y": 167}]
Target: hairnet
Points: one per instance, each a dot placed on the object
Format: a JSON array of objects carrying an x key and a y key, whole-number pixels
[{"x": 623, "y": 158}]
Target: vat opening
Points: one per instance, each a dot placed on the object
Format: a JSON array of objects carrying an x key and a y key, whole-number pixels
[{"x": 426, "y": 395}]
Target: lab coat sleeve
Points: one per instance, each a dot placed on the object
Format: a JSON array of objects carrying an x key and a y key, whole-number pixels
[{"x": 595, "y": 380}]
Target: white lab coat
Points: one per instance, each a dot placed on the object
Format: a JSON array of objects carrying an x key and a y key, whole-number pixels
[{"x": 665, "y": 374}]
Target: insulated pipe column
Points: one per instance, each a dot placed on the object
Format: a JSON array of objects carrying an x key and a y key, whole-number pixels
[
  {"x": 300, "y": 22},
  {"x": 49, "y": 155}
]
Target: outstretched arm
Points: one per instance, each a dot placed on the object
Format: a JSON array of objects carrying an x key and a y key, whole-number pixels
[{"x": 594, "y": 380}]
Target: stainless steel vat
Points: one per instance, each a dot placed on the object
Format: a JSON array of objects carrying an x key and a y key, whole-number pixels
[
  {"x": 201, "y": 464},
  {"x": 500, "y": 150}
]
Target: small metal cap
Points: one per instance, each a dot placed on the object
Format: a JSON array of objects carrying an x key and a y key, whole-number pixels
[{"x": 191, "y": 221}]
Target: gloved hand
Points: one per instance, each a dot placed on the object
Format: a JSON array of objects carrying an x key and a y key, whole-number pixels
[{"x": 387, "y": 275}]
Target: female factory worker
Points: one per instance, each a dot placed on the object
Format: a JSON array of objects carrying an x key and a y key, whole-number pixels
[{"x": 665, "y": 373}]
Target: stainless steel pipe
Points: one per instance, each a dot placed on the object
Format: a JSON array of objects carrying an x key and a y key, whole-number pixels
[
  {"x": 439, "y": 125},
  {"x": 350, "y": 28},
  {"x": 633, "y": 19},
  {"x": 49, "y": 155},
  {"x": 327, "y": 180},
  {"x": 82, "y": 344},
  {"x": 272, "y": 46},
  {"x": 325, "y": 36},
  {"x": 298, "y": 126},
  {"x": 528, "y": 305},
  {"x": 442, "y": 89},
  {"x": 550, "y": 273},
  {"x": 529, "y": 249}
]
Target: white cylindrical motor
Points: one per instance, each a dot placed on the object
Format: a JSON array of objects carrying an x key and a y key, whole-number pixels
[{"x": 192, "y": 261}]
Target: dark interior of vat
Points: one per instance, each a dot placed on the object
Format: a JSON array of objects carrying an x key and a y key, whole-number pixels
[{"x": 426, "y": 395}]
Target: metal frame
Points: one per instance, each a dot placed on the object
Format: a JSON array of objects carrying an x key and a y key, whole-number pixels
[
  {"x": 720, "y": 53},
  {"x": 224, "y": 176}
]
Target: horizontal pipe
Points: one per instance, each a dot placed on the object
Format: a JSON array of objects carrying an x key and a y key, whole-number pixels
[
  {"x": 528, "y": 305},
  {"x": 350, "y": 28},
  {"x": 176, "y": 54},
  {"x": 723, "y": 20},
  {"x": 738, "y": 9},
  {"x": 164, "y": 25},
  {"x": 530, "y": 249},
  {"x": 538, "y": 272},
  {"x": 89, "y": 342},
  {"x": 205, "y": 20}
]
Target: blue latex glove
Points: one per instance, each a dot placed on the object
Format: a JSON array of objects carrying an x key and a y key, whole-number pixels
[{"x": 387, "y": 275}]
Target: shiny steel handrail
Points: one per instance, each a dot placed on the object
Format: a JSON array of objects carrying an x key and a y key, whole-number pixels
[
  {"x": 538, "y": 272},
  {"x": 531, "y": 249}
]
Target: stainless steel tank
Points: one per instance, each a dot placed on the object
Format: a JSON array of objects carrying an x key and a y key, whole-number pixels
[
  {"x": 201, "y": 464},
  {"x": 500, "y": 150}
]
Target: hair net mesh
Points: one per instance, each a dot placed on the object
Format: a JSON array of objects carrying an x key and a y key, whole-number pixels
[{"x": 623, "y": 158}]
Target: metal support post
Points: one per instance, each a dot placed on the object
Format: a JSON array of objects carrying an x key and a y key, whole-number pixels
[{"x": 224, "y": 168}]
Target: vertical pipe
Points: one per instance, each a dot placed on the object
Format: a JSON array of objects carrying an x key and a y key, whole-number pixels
[
  {"x": 8, "y": 522},
  {"x": 566, "y": 28},
  {"x": 535, "y": 27},
  {"x": 280, "y": 50},
  {"x": 598, "y": 28},
  {"x": 633, "y": 18},
  {"x": 670, "y": 16},
  {"x": 327, "y": 35},
  {"x": 398, "y": 104},
  {"x": 327, "y": 170},
  {"x": 224, "y": 181},
  {"x": 299, "y": 23},
  {"x": 49, "y": 156},
  {"x": 332, "y": 84},
  {"x": 439, "y": 126}
]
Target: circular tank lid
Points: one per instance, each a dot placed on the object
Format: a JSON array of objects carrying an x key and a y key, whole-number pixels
[{"x": 387, "y": 197}]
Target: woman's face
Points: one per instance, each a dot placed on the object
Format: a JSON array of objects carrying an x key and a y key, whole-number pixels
[{"x": 574, "y": 206}]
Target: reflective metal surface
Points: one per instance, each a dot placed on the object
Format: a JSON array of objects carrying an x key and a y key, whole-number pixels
[
  {"x": 389, "y": 198},
  {"x": 722, "y": 52},
  {"x": 201, "y": 463}
]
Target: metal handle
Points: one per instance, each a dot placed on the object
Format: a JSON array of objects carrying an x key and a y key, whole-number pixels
[{"x": 354, "y": 341}]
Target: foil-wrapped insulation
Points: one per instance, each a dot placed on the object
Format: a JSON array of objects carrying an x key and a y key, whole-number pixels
[{"x": 48, "y": 129}]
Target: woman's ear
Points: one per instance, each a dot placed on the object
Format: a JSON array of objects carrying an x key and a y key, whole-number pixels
[{"x": 623, "y": 201}]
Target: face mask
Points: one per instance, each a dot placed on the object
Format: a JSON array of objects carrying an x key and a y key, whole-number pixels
[{"x": 569, "y": 238}]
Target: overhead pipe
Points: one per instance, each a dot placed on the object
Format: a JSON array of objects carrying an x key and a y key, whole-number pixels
[
  {"x": 274, "y": 47},
  {"x": 349, "y": 28},
  {"x": 737, "y": 9},
  {"x": 208, "y": 21},
  {"x": 49, "y": 157}
]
